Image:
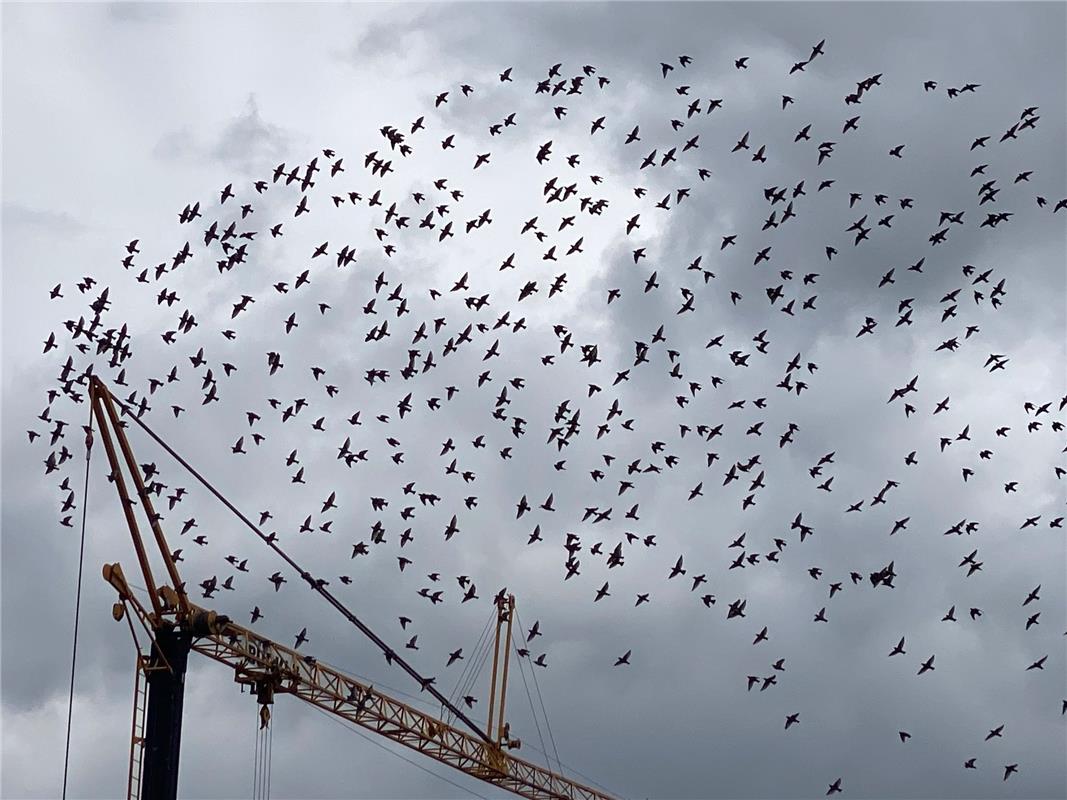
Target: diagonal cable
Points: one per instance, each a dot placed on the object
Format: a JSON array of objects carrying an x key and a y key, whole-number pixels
[{"x": 390, "y": 654}]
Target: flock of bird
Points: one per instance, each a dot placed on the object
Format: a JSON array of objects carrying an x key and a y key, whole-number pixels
[{"x": 422, "y": 350}]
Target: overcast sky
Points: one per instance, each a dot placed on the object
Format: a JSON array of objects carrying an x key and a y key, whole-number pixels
[{"x": 118, "y": 116}]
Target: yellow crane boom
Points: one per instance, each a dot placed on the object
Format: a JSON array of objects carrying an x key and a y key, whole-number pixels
[{"x": 257, "y": 661}]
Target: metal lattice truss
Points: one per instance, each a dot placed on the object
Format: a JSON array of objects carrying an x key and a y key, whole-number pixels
[{"x": 260, "y": 663}]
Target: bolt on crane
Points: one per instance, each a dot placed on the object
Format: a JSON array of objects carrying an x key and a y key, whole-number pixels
[{"x": 175, "y": 627}]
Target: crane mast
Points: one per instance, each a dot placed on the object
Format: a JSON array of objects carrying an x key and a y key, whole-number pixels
[{"x": 176, "y": 627}]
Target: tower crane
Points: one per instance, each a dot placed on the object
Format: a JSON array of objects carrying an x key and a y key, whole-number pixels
[{"x": 174, "y": 627}]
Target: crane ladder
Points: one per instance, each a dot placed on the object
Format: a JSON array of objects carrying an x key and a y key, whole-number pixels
[{"x": 140, "y": 706}]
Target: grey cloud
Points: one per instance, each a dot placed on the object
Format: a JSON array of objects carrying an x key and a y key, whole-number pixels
[
  {"x": 35, "y": 221},
  {"x": 678, "y": 722},
  {"x": 139, "y": 12},
  {"x": 247, "y": 143}
]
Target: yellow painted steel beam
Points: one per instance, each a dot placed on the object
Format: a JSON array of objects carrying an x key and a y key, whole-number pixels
[{"x": 255, "y": 659}]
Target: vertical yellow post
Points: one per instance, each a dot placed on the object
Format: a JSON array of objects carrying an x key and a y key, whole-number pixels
[
  {"x": 492, "y": 687},
  {"x": 508, "y": 609}
]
